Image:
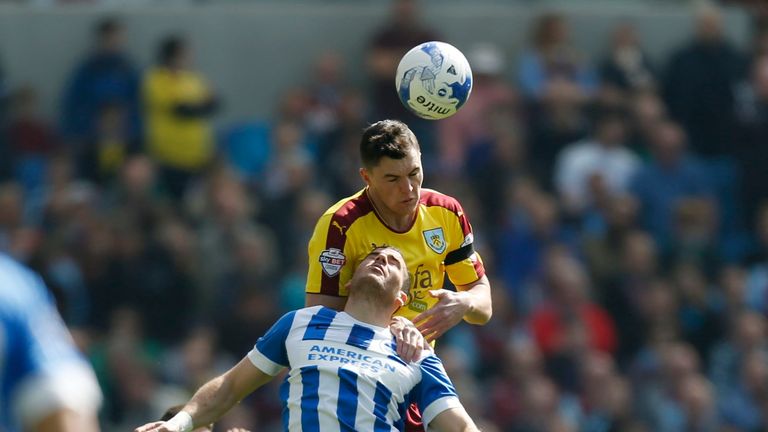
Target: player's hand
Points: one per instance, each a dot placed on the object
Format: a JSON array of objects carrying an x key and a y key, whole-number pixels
[
  {"x": 409, "y": 340},
  {"x": 449, "y": 311},
  {"x": 158, "y": 426}
]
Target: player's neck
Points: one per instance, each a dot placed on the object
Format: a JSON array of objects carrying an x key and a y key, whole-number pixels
[
  {"x": 368, "y": 312},
  {"x": 393, "y": 221}
]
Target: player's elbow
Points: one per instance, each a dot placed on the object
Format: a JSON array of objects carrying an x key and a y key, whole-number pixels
[{"x": 480, "y": 316}]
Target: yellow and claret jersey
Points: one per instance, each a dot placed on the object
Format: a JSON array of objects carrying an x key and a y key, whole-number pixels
[
  {"x": 438, "y": 242},
  {"x": 179, "y": 142}
]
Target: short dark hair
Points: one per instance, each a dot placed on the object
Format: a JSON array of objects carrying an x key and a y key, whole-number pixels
[
  {"x": 170, "y": 47},
  {"x": 386, "y": 138},
  {"x": 107, "y": 27}
]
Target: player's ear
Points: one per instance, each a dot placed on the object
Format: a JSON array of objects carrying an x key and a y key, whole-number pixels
[
  {"x": 402, "y": 298},
  {"x": 365, "y": 175}
]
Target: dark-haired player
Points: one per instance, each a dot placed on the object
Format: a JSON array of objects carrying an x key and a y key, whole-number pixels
[{"x": 429, "y": 228}]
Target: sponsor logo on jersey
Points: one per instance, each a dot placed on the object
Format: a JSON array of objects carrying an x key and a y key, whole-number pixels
[
  {"x": 332, "y": 260},
  {"x": 435, "y": 239}
]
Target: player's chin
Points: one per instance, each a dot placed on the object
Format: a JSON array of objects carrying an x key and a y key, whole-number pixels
[{"x": 409, "y": 205}]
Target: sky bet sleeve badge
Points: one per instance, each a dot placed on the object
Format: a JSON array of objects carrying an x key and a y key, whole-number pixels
[{"x": 332, "y": 260}]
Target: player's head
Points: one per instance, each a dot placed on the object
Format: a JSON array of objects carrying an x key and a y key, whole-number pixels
[
  {"x": 109, "y": 34},
  {"x": 382, "y": 277},
  {"x": 392, "y": 165},
  {"x": 173, "y": 52},
  {"x": 172, "y": 411}
]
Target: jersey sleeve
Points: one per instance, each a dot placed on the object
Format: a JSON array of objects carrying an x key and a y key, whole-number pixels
[
  {"x": 46, "y": 372},
  {"x": 435, "y": 392},
  {"x": 329, "y": 259},
  {"x": 269, "y": 354},
  {"x": 462, "y": 264}
]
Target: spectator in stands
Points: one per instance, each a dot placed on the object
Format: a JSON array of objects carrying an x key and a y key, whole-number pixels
[
  {"x": 699, "y": 85},
  {"x": 106, "y": 75},
  {"x": 743, "y": 405},
  {"x": 627, "y": 66},
  {"x": 668, "y": 179},
  {"x": 606, "y": 398},
  {"x": 553, "y": 67},
  {"x": 179, "y": 104},
  {"x": 105, "y": 152},
  {"x": 665, "y": 399},
  {"x": 746, "y": 333},
  {"x": 521, "y": 362},
  {"x": 647, "y": 109},
  {"x": 471, "y": 130},
  {"x": 31, "y": 138},
  {"x": 568, "y": 323},
  {"x": 751, "y": 136},
  {"x": 757, "y": 278},
  {"x": 592, "y": 170},
  {"x": 532, "y": 227},
  {"x": 544, "y": 408},
  {"x": 604, "y": 238},
  {"x": 700, "y": 322},
  {"x": 556, "y": 82}
]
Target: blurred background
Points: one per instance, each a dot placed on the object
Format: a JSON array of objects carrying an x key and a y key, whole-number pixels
[{"x": 162, "y": 165}]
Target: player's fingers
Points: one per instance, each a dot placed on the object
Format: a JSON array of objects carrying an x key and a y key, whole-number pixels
[
  {"x": 436, "y": 317},
  {"x": 438, "y": 293},
  {"x": 426, "y": 314},
  {"x": 149, "y": 427},
  {"x": 403, "y": 350},
  {"x": 413, "y": 353}
]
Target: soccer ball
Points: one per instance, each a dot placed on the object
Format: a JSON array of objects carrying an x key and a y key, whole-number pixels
[{"x": 433, "y": 80}]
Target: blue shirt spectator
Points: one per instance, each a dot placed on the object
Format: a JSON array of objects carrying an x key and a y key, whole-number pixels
[
  {"x": 106, "y": 76},
  {"x": 670, "y": 177}
]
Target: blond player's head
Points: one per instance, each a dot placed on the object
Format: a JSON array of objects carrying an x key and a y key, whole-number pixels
[{"x": 382, "y": 277}]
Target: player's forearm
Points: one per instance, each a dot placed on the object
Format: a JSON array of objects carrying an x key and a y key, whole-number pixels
[
  {"x": 211, "y": 401},
  {"x": 479, "y": 298},
  {"x": 453, "y": 420}
]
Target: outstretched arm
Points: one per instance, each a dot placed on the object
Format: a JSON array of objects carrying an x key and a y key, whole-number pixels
[
  {"x": 453, "y": 420},
  {"x": 213, "y": 399}
]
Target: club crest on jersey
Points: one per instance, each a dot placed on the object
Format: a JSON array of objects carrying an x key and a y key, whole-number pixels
[
  {"x": 435, "y": 239},
  {"x": 332, "y": 260}
]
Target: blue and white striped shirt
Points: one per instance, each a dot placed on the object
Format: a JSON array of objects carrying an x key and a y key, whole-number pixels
[
  {"x": 346, "y": 376},
  {"x": 40, "y": 367}
]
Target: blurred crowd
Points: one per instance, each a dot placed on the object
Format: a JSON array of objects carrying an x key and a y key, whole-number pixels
[{"x": 620, "y": 205}]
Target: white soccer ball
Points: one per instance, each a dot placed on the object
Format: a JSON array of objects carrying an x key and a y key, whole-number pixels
[{"x": 434, "y": 80}]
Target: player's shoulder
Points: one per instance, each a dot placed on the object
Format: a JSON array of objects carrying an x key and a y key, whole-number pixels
[
  {"x": 433, "y": 198},
  {"x": 350, "y": 208},
  {"x": 311, "y": 311}
]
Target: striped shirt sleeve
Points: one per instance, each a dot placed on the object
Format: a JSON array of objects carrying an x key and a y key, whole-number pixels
[
  {"x": 435, "y": 393},
  {"x": 270, "y": 354}
]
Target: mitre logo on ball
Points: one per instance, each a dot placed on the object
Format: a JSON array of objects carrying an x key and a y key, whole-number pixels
[{"x": 434, "y": 80}]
